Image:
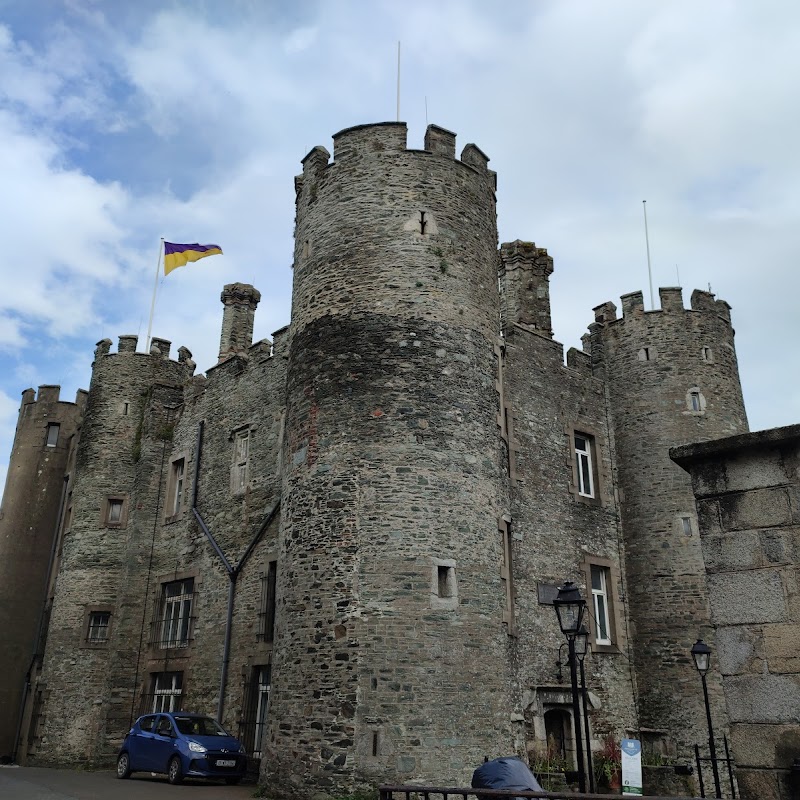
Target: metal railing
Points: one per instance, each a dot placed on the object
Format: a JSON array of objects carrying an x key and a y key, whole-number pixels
[{"x": 410, "y": 792}]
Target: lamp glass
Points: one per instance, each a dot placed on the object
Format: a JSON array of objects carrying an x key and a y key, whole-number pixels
[
  {"x": 701, "y": 653},
  {"x": 569, "y": 607}
]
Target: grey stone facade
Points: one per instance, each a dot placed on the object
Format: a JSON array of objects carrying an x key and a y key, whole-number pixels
[
  {"x": 748, "y": 502},
  {"x": 383, "y": 501}
]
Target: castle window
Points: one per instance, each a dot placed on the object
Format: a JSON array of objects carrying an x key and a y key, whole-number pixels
[
  {"x": 707, "y": 354},
  {"x": 174, "y": 622},
  {"x": 241, "y": 456},
  {"x": 52, "y": 434},
  {"x": 175, "y": 487},
  {"x": 166, "y": 691},
  {"x": 583, "y": 463},
  {"x": 685, "y": 525},
  {"x": 695, "y": 401},
  {"x": 422, "y": 222},
  {"x": 444, "y": 587},
  {"x": 115, "y": 513},
  {"x": 266, "y": 615},
  {"x": 601, "y": 576},
  {"x": 600, "y": 604},
  {"x": 125, "y": 409},
  {"x": 97, "y": 632},
  {"x": 647, "y": 354}
]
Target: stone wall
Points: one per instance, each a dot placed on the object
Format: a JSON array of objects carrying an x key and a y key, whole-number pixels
[
  {"x": 671, "y": 377},
  {"x": 748, "y": 502},
  {"x": 391, "y": 626},
  {"x": 33, "y": 501}
]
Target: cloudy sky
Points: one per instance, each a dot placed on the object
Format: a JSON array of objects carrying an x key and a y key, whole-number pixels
[{"x": 123, "y": 122}]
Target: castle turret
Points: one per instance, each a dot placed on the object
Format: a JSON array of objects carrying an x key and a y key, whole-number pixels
[
  {"x": 240, "y": 301},
  {"x": 390, "y": 578},
  {"x": 525, "y": 271},
  {"x": 672, "y": 378},
  {"x": 33, "y": 503},
  {"x": 96, "y": 617}
]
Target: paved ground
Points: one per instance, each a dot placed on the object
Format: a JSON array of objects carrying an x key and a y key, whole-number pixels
[{"x": 37, "y": 783}]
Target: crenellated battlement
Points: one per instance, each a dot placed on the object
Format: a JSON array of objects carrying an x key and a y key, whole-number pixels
[
  {"x": 671, "y": 300},
  {"x": 386, "y": 138},
  {"x": 159, "y": 348},
  {"x": 51, "y": 393}
]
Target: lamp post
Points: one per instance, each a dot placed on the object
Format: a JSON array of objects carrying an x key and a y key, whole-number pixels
[
  {"x": 570, "y": 606},
  {"x": 581, "y": 649},
  {"x": 701, "y": 653}
]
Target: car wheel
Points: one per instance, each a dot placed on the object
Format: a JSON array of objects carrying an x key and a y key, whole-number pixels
[
  {"x": 232, "y": 781},
  {"x": 175, "y": 770},
  {"x": 123, "y": 766}
]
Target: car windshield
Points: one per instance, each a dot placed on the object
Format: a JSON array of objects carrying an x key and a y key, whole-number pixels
[{"x": 200, "y": 726}]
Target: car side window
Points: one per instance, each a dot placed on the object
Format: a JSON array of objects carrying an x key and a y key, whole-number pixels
[
  {"x": 164, "y": 726},
  {"x": 146, "y": 723}
]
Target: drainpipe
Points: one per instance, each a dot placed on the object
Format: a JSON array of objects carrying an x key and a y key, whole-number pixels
[{"x": 223, "y": 678}]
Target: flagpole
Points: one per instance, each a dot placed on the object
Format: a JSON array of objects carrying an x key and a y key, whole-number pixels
[
  {"x": 153, "y": 302},
  {"x": 647, "y": 242},
  {"x": 398, "y": 81}
]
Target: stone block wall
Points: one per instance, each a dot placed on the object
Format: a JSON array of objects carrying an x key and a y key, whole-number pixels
[
  {"x": 747, "y": 490},
  {"x": 557, "y": 534}
]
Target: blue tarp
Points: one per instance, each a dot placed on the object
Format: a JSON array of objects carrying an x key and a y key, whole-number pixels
[{"x": 505, "y": 773}]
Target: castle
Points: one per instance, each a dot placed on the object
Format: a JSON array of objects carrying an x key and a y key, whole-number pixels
[{"x": 346, "y": 542}]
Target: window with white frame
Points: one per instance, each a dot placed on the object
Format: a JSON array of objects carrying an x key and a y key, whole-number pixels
[
  {"x": 167, "y": 688},
  {"x": 174, "y": 623},
  {"x": 584, "y": 466},
  {"x": 600, "y": 603},
  {"x": 241, "y": 456}
]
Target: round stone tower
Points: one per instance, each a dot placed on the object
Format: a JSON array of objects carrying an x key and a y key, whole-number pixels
[
  {"x": 671, "y": 378},
  {"x": 33, "y": 502},
  {"x": 391, "y": 653},
  {"x": 104, "y": 560}
]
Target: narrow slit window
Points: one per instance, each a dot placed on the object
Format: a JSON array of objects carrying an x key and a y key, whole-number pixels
[
  {"x": 694, "y": 400},
  {"x": 176, "y": 486},
  {"x": 52, "y": 434},
  {"x": 445, "y": 581}
]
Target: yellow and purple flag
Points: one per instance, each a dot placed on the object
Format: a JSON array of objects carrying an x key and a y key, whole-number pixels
[{"x": 176, "y": 255}]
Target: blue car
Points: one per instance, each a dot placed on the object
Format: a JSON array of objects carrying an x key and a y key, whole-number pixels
[{"x": 181, "y": 745}]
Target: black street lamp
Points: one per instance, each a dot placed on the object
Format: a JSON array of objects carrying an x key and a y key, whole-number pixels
[
  {"x": 701, "y": 653},
  {"x": 581, "y": 649},
  {"x": 570, "y": 607}
]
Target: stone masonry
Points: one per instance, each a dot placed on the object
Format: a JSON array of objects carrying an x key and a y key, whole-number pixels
[
  {"x": 747, "y": 490},
  {"x": 345, "y": 543}
]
